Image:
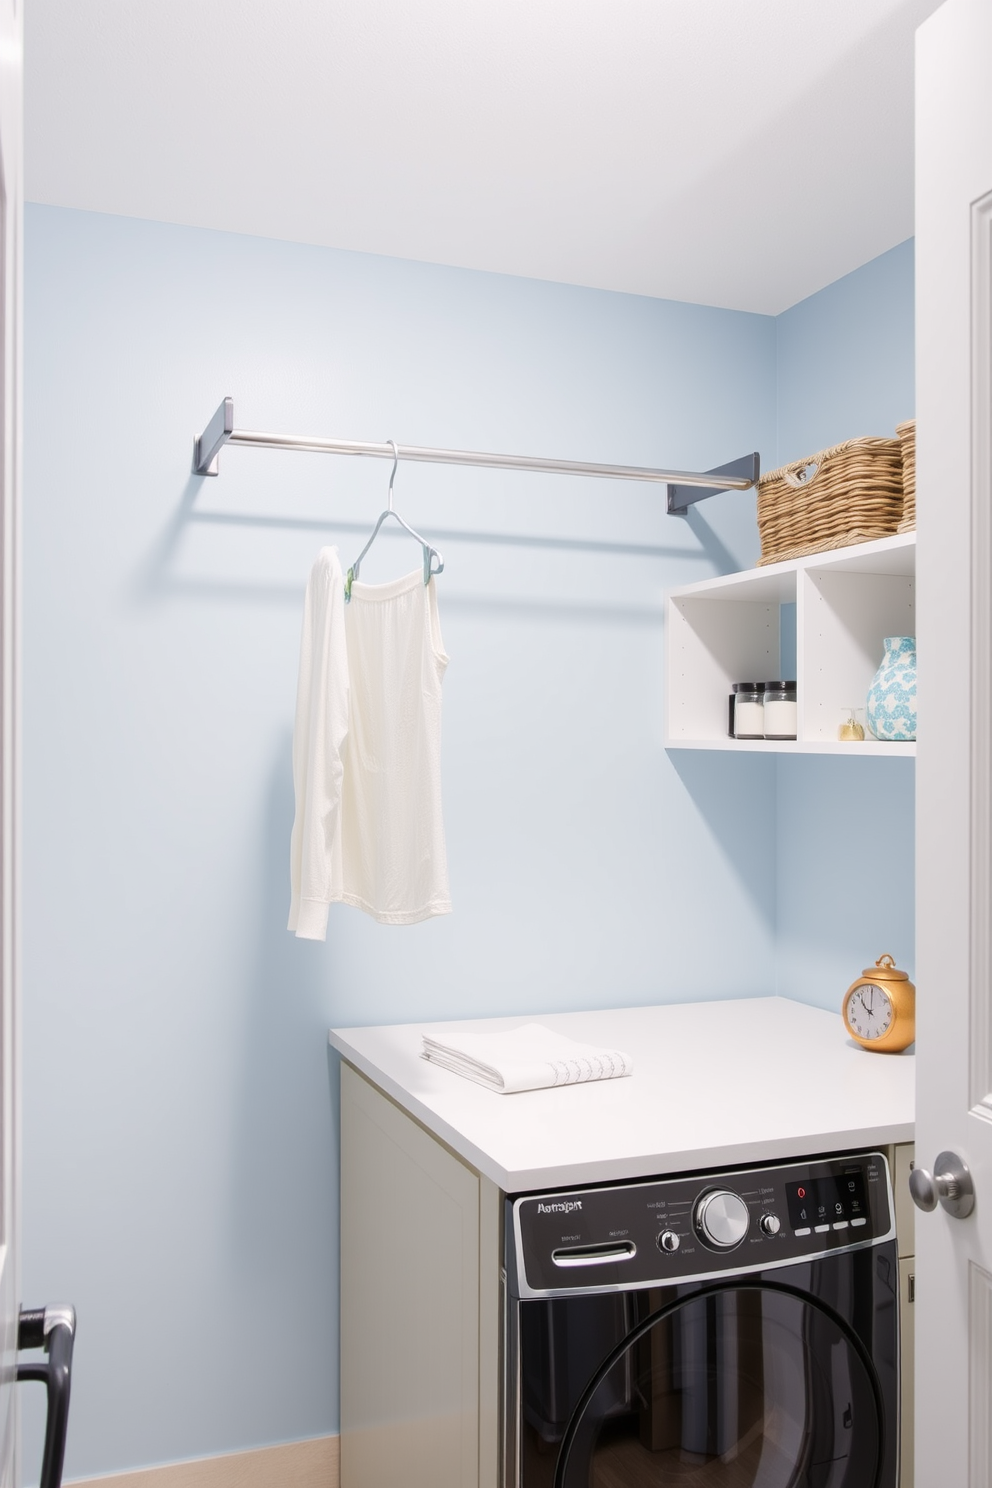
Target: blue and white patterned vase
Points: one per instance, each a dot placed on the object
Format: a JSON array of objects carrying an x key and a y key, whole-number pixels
[{"x": 891, "y": 709}]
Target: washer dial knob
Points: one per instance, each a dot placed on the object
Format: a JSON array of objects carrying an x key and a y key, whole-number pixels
[
  {"x": 770, "y": 1224},
  {"x": 669, "y": 1241},
  {"x": 722, "y": 1219}
]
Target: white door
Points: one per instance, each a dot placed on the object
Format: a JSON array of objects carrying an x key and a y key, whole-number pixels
[
  {"x": 11, "y": 30},
  {"x": 954, "y": 762},
  {"x": 11, "y": 24}
]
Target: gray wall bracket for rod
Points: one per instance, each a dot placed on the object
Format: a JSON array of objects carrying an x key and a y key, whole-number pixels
[
  {"x": 680, "y": 498},
  {"x": 208, "y": 445}
]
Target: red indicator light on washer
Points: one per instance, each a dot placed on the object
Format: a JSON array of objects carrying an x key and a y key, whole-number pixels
[{"x": 802, "y": 1193}]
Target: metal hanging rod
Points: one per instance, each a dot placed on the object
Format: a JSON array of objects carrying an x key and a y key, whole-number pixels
[{"x": 685, "y": 487}]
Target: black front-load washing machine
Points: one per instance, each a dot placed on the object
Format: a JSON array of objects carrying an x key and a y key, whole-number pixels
[{"x": 723, "y": 1330}]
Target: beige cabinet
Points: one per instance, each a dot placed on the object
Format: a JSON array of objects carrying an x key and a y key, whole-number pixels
[{"x": 420, "y": 1303}]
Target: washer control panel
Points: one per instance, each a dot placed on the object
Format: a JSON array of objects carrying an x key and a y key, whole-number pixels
[{"x": 669, "y": 1230}]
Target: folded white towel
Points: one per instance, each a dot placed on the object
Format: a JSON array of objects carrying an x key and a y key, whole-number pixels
[{"x": 528, "y": 1058}]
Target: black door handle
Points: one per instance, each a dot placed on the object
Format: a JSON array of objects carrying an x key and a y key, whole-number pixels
[{"x": 54, "y": 1330}]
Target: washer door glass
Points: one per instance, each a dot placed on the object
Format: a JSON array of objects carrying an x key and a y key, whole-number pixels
[{"x": 744, "y": 1387}]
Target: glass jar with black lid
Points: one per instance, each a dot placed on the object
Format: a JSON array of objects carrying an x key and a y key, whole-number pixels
[
  {"x": 747, "y": 710},
  {"x": 781, "y": 714}
]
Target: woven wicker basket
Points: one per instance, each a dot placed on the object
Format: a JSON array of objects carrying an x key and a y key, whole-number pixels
[
  {"x": 849, "y": 494},
  {"x": 907, "y": 439}
]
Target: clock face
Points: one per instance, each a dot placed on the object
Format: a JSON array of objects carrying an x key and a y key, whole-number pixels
[{"x": 869, "y": 1011}]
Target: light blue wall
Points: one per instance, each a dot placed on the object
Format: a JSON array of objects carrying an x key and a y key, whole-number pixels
[
  {"x": 845, "y": 826},
  {"x": 844, "y": 358},
  {"x": 179, "y": 1102}
]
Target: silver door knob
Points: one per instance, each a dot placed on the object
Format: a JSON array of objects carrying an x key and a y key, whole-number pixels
[{"x": 949, "y": 1185}]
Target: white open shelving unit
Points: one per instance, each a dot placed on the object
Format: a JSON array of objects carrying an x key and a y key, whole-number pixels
[{"x": 729, "y": 630}]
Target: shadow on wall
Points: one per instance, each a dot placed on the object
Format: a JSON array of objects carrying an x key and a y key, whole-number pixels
[
  {"x": 157, "y": 576},
  {"x": 710, "y": 545},
  {"x": 735, "y": 795},
  {"x": 848, "y": 827}
]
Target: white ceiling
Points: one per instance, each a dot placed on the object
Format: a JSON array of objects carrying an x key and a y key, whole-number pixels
[{"x": 739, "y": 153}]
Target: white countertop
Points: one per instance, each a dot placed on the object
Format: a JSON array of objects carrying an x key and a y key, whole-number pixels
[{"x": 714, "y": 1083}]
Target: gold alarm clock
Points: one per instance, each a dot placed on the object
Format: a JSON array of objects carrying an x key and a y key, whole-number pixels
[{"x": 880, "y": 1008}]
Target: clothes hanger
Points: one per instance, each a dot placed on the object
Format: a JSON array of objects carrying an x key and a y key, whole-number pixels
[{"x": 433, "y": 562}]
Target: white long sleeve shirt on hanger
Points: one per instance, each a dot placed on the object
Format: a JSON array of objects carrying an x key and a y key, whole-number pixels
[
  {"x": 366, "y": 753},
  {"x": 319, "y": 737}
]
